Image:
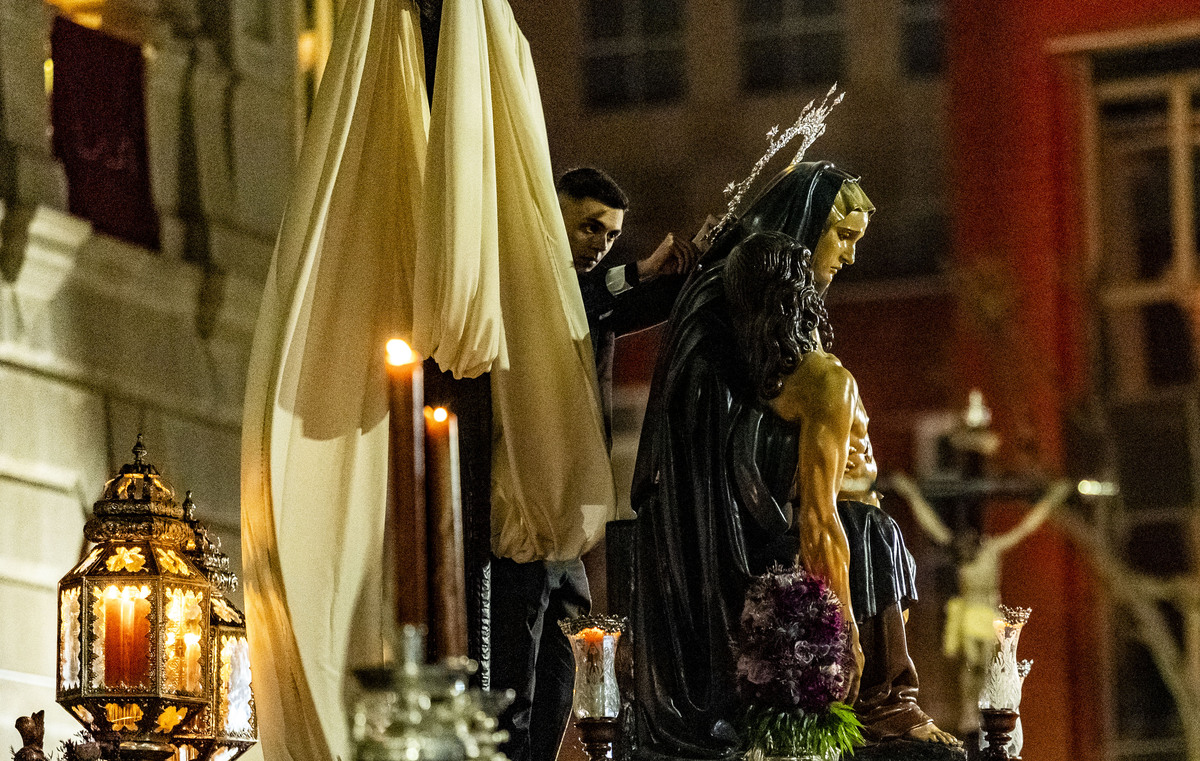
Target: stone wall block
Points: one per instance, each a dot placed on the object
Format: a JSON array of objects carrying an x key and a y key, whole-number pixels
[
  {"x": 24, "y": 48},
  {"x": 30, "y": 644},
  {"x": 264, "y": 41},
  {"x": 41, "y": 531},
  {"x": 52, "y": 240},
  {"x": 210, "y": 104},
  {"x": 167, "y": 70},
  {"x": 235, "y": 250},
  {"x": 29, "y": 171},
  {"x": 264, "y": 145},
  {"x": 52, "y": 433}
]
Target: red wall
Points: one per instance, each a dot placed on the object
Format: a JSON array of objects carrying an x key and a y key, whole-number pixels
[{"x": 1015, "y": 168}]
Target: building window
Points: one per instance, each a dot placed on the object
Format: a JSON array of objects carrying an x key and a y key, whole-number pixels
[
  {"x": 1149, "y": 274},
  {"x": 790, "y": 44},
  {"x": 922, "y": 38},
  {"x": 1146, "y": 182},
  {"x": 633, "y": 53}
]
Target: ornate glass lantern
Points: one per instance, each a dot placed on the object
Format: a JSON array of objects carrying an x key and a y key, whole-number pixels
[
  {"x": 229, "y": 727},
  {"x": 597, "y": 701},
  {"x": 138, "y": 649}
]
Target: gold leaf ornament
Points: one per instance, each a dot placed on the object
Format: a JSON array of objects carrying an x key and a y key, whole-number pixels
[
  {"x": 124, "y": 719},
  {"x": 171, "y": 562},
  {"x": 225, "y": 611},
  {"x": 170, "y": 718},
  {"x": 126, "y": 558}
]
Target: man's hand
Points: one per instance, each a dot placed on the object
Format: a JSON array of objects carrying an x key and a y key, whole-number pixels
[{"x": 672, "y": 257}]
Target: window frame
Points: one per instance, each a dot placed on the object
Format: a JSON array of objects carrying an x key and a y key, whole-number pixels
[
  {"x": 1178, "y": 283},
  {"x": 633, "y": 44}
]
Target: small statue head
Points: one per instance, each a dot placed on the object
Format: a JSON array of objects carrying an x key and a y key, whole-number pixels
[
  {"x": 774, "y": 306},
  {"x": 32, "y": 729}
]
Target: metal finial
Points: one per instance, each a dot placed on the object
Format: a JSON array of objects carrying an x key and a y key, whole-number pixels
[{"x": 139, "y": 451}]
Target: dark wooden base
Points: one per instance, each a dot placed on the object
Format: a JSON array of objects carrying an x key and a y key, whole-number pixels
[
  {"x": 596, "y": 735},
  {"x": 998, "y": 724}
]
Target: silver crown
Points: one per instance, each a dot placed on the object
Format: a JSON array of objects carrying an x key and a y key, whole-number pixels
[{"x": 810, "y": 125}]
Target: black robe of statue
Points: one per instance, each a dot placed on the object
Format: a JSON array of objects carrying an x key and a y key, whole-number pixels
[{"x": 710, "y": 488}]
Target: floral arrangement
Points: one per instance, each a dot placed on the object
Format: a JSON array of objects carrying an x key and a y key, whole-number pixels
[{"x": 794, "y": 668}]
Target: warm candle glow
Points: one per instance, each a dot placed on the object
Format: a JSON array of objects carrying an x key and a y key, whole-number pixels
[
  {"x": 592, "y": 635},
  {"x": 399, "y": 353},
  {"x": 191, "y": 659},
  {"x": 440, "y": 414},
  {"x": 126, "y": 649},
  {"x": 306, "y": 50}
]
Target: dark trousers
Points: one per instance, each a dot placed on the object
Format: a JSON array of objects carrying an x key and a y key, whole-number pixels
[{"x": 530, "y": 654}]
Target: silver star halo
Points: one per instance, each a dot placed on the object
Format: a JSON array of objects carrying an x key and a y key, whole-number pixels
[{"x": 809, "y": 126}]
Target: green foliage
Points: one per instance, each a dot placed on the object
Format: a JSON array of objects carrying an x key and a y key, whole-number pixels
[{"x": 795, "y": 733}]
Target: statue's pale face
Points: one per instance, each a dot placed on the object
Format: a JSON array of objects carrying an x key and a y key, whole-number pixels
[
  {"x": 592, "y": 228},
  {"x": 835, "y": 249}
]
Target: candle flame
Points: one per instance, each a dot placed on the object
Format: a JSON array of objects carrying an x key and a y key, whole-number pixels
[
  {"x": 399, "y": 352},
  {"x": 440, "y": 414},
  {"x": 592, "y": 634}
]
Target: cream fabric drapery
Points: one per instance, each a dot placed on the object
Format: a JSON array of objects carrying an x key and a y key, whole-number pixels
[
  {"x": 499, "y": 275},
  {"x": 314, "y": 438},
  {"x": 490, "y": 286}
]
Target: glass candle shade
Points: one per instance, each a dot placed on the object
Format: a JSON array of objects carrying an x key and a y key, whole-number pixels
[{"x": 594, "y": 644}]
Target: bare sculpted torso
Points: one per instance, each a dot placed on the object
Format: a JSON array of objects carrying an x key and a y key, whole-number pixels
[{"x": 835, "y": 462}]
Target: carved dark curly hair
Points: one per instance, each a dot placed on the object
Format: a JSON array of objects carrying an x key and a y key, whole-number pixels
[{"x": 776, "y": 310}]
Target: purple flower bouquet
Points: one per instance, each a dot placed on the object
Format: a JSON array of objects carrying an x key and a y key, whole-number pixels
[{"x": 794, "y": 667}]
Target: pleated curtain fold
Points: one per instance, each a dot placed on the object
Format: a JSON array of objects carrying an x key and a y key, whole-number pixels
[
  {"x": 444, "y": 229},
  {"x": 315, "y": 428}
]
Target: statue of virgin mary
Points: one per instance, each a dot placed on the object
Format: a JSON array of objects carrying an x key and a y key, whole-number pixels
[{"x": 719, "y": 495}]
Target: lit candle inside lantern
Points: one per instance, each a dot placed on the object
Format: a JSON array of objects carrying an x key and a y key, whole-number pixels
[
  {"x": 448, "y": 619},
  {"x": 126, "y": 635},
  {"x": 191, "y": 659},
  {"x": 126, "y": 647},
  {"x": 114, "y": 639},
  {"x": 407, "y": 477}
]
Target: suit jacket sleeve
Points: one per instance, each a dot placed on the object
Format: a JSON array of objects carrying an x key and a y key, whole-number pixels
[{"x": 642, "y": 306}]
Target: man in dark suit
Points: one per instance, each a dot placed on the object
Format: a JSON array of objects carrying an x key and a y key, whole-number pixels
[
  {"x": 625, "y": 298},
  {"x": 528, "y": 599}
]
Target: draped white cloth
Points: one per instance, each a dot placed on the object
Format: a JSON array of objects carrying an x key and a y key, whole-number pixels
[
  {"x": 498, "y": 284},
  {"x": 315, "y": 433},
  {"x": 488, "y": 285}
]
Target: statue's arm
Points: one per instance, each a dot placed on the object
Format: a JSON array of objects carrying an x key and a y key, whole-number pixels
[
  {"x": 822, "y": 396},
  {"x": 1057, "y": 494},
  {"x": 926, "y": 516}
]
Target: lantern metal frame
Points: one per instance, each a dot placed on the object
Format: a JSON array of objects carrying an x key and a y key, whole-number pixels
[{"x": 147, "y": 572}]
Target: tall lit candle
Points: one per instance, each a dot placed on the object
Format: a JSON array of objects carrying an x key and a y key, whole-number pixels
[
  {"x": 127, "y": 636},
  {"x": 191, "y": 660},
  {"x": 113, "y": 637},
  {"x": 448, "y": 619},
  {"x": 407, "y": 478}
]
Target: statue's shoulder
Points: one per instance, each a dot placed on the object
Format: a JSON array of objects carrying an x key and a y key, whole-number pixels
[
  {"x": 823, "y": 373},
  {"x": 819, "y": 386}
]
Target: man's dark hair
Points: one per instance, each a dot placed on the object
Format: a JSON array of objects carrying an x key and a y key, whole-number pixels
[
  {"x": 774, "y": 306},
  {"x": 590, "y": 182}
]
